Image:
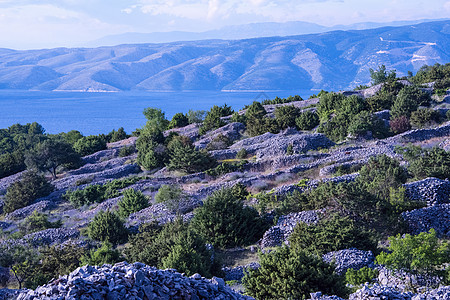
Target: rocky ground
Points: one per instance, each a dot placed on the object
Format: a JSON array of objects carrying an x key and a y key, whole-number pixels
[{"x": 269, "y": 168}]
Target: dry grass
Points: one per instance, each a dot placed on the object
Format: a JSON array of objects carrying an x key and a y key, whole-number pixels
[{"x": 237, "y": 257}]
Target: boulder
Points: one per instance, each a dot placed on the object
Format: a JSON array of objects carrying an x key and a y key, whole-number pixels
[
  {"x": 232, "y": 131},
  {"x": 349, "y": 259},
  {"x": 423, "y": 219}
]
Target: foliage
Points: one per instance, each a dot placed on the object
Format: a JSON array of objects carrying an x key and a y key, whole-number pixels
[
  {"x": 36, "y": 222},
  {"x": 195, "y": 116},
  {"x": 71, "y": 137},
  {"x": 279, "y": 100},
  {"x": 103, "y": 255},
  {"x": 156, "y": 119},
  {"x": 90, "y": 144},
  {"x": 171, "y": 196},
  {"x": 178, "y": 120},
  {"x": 381, "y": 75},
  {"x": 332, "y": 234},
  {"x": 399, "y": 124},
  {"x": 51, "y": 154},
  {"x": 408, "y": 100},
  {"x": 151, "y": 149},
  {"x": 22, "y": 261},
  {"x": 289, "y": 149},
  {"x": 424, "y": 117},
  {"x": 242, "y": 154},
  {"x": 212, "y": 119},
  {"x": 237, "y": 117},
  {"x": 219, "y": 142},
  {"x": 257, "y": 122},
  {"x": 434, "y": 162},
  {"x": 224, "y": 221},
  {"x": 366, "y": 121},
  {"x": 288, "y": 273},
  {"x": 307, "y": 120},
  {"x": 399, "y": 203},
  {"x": 184, "y": 157},
  {"x": 419, "y": 254},
  {"x": 384, "y": 98},
  {"x": 115, "y": 136},
  {"x": 23, "y": 192},
  {"x": 328, "y": 103},
  {"x": 361, "y": 276},
  {"x": 127, "y": 151},
  {"x": 320, "y": 94},
  {"x": 11, "y": 163},
  {"x": 440, "y": 74},
  {"x": 173, "y": 245},
  {"x": 286, "y": 115},
  {"x": 380, "y": 174},
  {"x": 107, "y": 226},
  {"x": 133, "y": 201},
  {"x": 226, "y": 167}
]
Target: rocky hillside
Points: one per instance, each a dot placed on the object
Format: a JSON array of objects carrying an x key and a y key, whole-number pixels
[
  {"x": 337, "y": 59},
  {"x": 276, "y": 165}
]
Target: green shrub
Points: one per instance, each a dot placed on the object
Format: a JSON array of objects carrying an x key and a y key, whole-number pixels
[
  {"x": 257, "y": 122},
  {"x": 90, "y": 194},
  {"x": 103, "y": 255},
  {"x": 287, "y": 273},
  {"x": 408, "y": 100},
  {"x": 115, "y": 136},
  {"x": 237, "y": 117},
  {"x": 398, "y": 202},
  {"x": 381, "y": 75},
  {"x": 279, "y": 100},
  {"x": 107, "y": 226},
  {"x": 286, "y": 115},
  {"x": 178, "y": 120},
  {"x": 184, "y": 157},
  {"x": 307, "y": 120},
  {"x": 424, "y": 117},
  {"x": 224, "y": 221},
  {"x": 133, "y": 201},
  {"x": 127, "y": 151},
  {"x": 328, "y": 104},
  {"x": 366, "y": 121},
  {"x": 361, "y": 276},
  {"x": 332, "y": 234},
  {"x": 212, "y": 119},
  {"x": 174, "y": 245},
  {"x": 447, "y": 115},
  {"x": 195, "y": 116},
  {"x": 241, "y": 154},
  {"x": 90, "y": 144},
  {"x": 37, "y": 222},
  {"x": 225, "y": 168},
  {"x": 434, "y": 162},
  {"x": 151, "y": 150},
  {"x": 171, "y": 196},
  {"x": 23, "y": 192},
  {"x": 419, "y": 254},
  {"x": 23, "y": 262},
  {"x": 156, "y": 120}
]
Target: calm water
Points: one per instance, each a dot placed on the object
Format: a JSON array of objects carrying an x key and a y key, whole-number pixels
[{"x": 94, "y": 113}]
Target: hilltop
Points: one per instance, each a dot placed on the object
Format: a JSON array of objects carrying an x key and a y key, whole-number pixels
[
  {"x": 337, "y": 60},
  {"x": 340, "y": 178}
]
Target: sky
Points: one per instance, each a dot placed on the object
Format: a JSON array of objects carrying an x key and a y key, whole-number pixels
[{"x": 32, "y": 24}]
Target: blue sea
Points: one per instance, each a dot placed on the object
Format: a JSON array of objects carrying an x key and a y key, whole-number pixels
[{"x": 94, "y": 113}]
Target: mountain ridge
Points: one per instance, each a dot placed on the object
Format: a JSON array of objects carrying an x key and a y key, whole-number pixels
[{"x": 315, "y": 61}]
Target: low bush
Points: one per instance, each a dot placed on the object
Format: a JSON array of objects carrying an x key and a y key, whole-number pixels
[
  {"x": 178, "y": 120},
  {"x": 219, "y": 142},
  {"x": 133, "y": 201},
  {"x": 286, "y": 116},
  {"x": 242, "y": 154},
  {"x": 103, "y": 255},
  {"x": 288, "y": 273},
  {"x": 307, "y": 120},
  {"x": 434, "y": 162},
  {"x": 127, "y": 151},
  {"x": 361, "y": 276},
  {"x": 107, "y": 226},
  {"x": 424, "y": 117},
  {"x": 90, "y": 144},
  {"x": 226, "y": 167},
  {"x": 36, "y": 222},
  {"x": 171, "y": 196}
]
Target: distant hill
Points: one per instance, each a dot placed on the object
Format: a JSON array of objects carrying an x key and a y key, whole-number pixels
[{"x": 326, "y": 60}]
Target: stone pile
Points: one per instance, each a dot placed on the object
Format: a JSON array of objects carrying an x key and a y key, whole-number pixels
[
  {"x": 430, "y": 190},
  {"x": 349, "y": 259},
  {"x": 402, "y": 280},
  {"x": 423, "y": 219},
  {"x": 131, "y": 281},
  {"x": 232, "y": 131},
  {"x": 237, "y": 273},
  {"x": 380, "y": 292},
  {"x": 278, "y": 234}
]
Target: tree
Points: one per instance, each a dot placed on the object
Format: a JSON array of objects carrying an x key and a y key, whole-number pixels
[
  {"x": 224, "y": 221},
  {"x": 23, "y": 192},
  {"x": 195, "y": 116},
  {"x": 408, "y": 100},
  {"x": 156, "y": 119},
  {"x": 256, "y": 121},
  {"x": 213, "y": 118},
  {"x": 434, "y": 162},
  {"x": 151, "y": 149},
  {"x": 420, "y": 254},
  {"x": 50, "y": 155},
  {"x": 184, "y": 157},
  {"x": 133, "y": 201},
  {"x": 103, "y": 255},
  {"x": 288, "y": 273},
  {"x": 307, "y": 120},
  {"x": 286, "y": 115},
  {"x": 90, "y": 144},
  {"x": 107, "y": 226},
  {"x": 381, "y": 75},
  {"x": 178, "y": 120},
  {"x": 71, "y": 137},
  {"x": 22, "y": 261},
  {"x": 115, "y": 136},
  {"x": 367, "y": 122}
]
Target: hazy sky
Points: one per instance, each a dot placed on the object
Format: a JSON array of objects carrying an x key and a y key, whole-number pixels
[{"x": 51, "y": 23}]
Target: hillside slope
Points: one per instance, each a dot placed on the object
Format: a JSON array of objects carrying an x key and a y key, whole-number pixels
[{"x": 337, "y": 60}]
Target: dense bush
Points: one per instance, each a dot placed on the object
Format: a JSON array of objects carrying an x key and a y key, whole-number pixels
[
  {"x": 23, "y": 192},
  {"x": 103, "y": 255},
  {"x": 133, "y": 201},
  {"x": 227, "y": 167},
  {"x": 115, "y": 136},
  {"x": 174, "y": 245},
  {"x": 195, "y": 116},
  {"x": 279, "y": 100},
  {"x": 151, "y": 149},
  {"x": 90, "y": 144},
  {"x": 23, "y": 262},
  {"x": 212, "y": 119},
  {"x": 178, "y": 120},
  {"x": 257, "y": 122},
  {"x": 184, "y": 157},
  {"x": 434, "y": 162},
  {"x": 408, "y": 100},
  {"x": 288, "y": 273},
  {"x": 156, "y": 119},
  {"x": 36, "y": 222},
  {"x": 424, "y": 117},
  {"x": 224, "y": 221},
  {"x": 385, "y": 97},
  {"x": 219, "y": 142},
  {"x": 440, "y": 74},
  {"x": 400, "y": 124},
  {"x": 307, "y": 120},
  {"x": 171, "y": 196},
  {"x": 107, "y": 226},
  {"x": 127, "y": 151},
  {"x": 332, "y": 234},
  {"x": 286, "y": 115},
  {"x": 419, "y": 254},
  {"x": 367, "y": 122},
  {"x": 361, "y": 276},
  {"x": 328, "y": 103},
  {"x": 241, "y": 154},
  {"x": 381, "y": 75}
]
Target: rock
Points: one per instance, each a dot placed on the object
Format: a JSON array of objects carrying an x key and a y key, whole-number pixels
[
  {"x": 431, "y": 190},
  {"x": 237, "y": 273},
  {"x": 24, "y": 212},
  {"x": 423, "y": 219},
  {"x": 232, "y": 131},
  {"x": 379, "y": 292},
  {"x": 191, "y": 131},
  {"x": 349, "y": 259},
  {"x": 51, "y": 236},
  {"x": 7, "y": 181}
]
